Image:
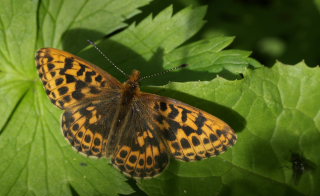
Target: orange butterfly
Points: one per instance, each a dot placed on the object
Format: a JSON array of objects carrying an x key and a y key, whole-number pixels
[{"x": 105, "y": 118}]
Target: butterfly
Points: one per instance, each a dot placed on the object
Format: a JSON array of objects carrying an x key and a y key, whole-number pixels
[{"x": 139, "y": 131}]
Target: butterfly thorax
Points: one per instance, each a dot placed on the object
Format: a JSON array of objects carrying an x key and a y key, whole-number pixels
[{"x": 130, "y": 88}]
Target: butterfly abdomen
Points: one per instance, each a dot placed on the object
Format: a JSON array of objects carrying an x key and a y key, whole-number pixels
[{"x": 121, "y": 118}]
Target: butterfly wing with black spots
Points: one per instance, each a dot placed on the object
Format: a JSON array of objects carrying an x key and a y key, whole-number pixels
[
  {"x": 70, "y": 80},
  {"x": 141, "y": 152},
  {"x": 190, "y": 133}
]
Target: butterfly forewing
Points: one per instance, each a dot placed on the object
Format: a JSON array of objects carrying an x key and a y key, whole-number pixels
[
  {"x": 70, "y": 80},
  {"x": 190, "y": 133},
  {"x": 137, "y": 130}
]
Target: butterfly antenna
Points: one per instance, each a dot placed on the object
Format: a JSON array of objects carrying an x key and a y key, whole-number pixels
[
  {"x": 163, "y": 72},
  {"x": 105, "y": 56}
]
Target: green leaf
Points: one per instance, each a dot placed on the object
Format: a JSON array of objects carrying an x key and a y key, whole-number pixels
[
  {"x": 145, "y": 44},
  {"x": 317, "y": 2},
  {"x": 275, "y": 113},
  {"x": 36, "y": 159},
  {"x": 74, "y": 21},
  {"x": 152, "y": 46}
]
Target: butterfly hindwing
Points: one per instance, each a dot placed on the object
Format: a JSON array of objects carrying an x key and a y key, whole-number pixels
[
  {"x": 87, "y": 126},
  {"x": 69, "y": 80},
  {"x": 144, "y": 156},
  {"x": 190, "y": 133},
  {"x": 141, "y": 152}
]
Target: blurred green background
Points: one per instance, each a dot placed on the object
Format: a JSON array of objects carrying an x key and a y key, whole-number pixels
[{"x": 285, "y": 30}]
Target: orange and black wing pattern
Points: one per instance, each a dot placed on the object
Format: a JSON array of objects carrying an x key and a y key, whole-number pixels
[
  {"x": 190, "y": 133},
  {"x": 87, "y": 126},
  {"x": 138, "y": 131},
  {"x": 88, "y": 95},
  {"x": 144, "y": 155},
  {"x": 69, "y": 80}
]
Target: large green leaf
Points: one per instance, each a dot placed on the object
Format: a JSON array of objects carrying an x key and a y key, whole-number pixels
[
  {"x": 35, "y": 158},
  {"x": 276, "y": 114}
]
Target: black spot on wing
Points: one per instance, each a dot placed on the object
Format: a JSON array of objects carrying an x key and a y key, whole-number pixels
[
  {"x": 174, "y": 126},
  {"x": 206, "y": 140},
  {"x": 161, "y": 161},
  {"x": 220, "y": 133},
  {"x": 52, "y": 73},
  {"x": 141, "y": 162},
  {"x": 188, "y": 130},
  {"x": 123, "y": 153},
  {"x": 119, "y": 161},
  {"x": 80, "y": 84},
  {"x": 70, "y": 78},
  {"x": 176, "y": 146},
  {"x": 87, "y": 138},
  {"x": 76, "y": 127},
  {"x": 195, "y": 141},
  {"x": 89, "y": 74},
  {"x": 48, "y": 92},
  {"x": 80, "y": 134},
  {"x": 132, "y": 158},
  {"x": 68, "y": 63},
  {"x": 63, "y": 71},
  {"x": 50, "y": 58},
  {"x": 98, "y": 78},
  {"x": 50, "y": 66},
  {"x": 174, "y": 112},
  {"x": 63, "y": 90},
  {"x": 200, "y": 121},
  {"x": 94, "y": 90},
  {"x": 149, "y": 160},
  {"x": 185, "y": 143},
  {"x": 59, "y": 81},
  {"x": 67, "y": 98},
  {"x": 81, "y": 70},
  {"x": 84, "y": 112},
  {"x": 163, "y": 106},
  {"x": 213, "y": 137},
  {"x": 61, "y": 103},
  {"x": 185, "y": 113},
  {"x": 97, "y": 142},
  {"x": 136, "y": 147},
  {"x": 77, "y": 95},
  {"x": 232, "y": 141},
  {"x": 169, "y": 135}
]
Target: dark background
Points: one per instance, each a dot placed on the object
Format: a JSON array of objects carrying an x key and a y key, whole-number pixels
[{"x": 284, "y": 30}]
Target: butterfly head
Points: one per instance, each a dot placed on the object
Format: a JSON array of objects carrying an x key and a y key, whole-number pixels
[{"x": 133, "y": 82}]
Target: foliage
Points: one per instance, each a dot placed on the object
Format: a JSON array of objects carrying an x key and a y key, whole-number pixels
[{"x": 275, "y": 111}]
